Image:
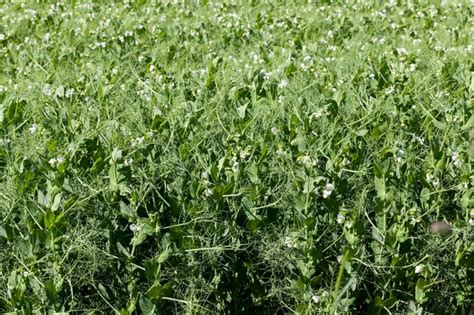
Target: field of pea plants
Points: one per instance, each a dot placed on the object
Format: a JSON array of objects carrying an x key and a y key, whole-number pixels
[{"x": 236, "y": 157}]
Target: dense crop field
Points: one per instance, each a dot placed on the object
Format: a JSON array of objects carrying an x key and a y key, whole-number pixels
[{"x": 257, "y": 157}]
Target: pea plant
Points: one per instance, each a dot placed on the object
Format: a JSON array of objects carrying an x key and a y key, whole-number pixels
[{"x": 227, "y": 157}]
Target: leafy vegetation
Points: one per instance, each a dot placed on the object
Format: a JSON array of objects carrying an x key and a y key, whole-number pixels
[{"x": 215, "y": 157}]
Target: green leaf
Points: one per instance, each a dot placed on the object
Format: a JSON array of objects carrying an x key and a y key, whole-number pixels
[
  {"x": 252, "y": 171},
  {"x": 146, "y": 306},
  {"x": 253, "y": 225},
  {"x": 425, "y": 194},
  {"x": 123, "y": 250},
  {"x": 116, "y": 155},
  {"x": 51, "y": 293},
  {"x": 43, "y": 199},
  {"x": 49, "y": 218},
  {"x": 70, "y": 202},
  {"x": 438, "y": 124},
  {"x": 12, "y": 281},
  {"x": 421, "y": 284},
  {"x": 103, "y": 291},
  {"x": 125, "y": 210},
  {"x": 156, "y": 292},
  {"x": 469, "y": 124},
  {"x": 241, "y": 111},
  {"x": 35, "y": 286},
  {"x": 3, "y": 233},
  {"x": 59, "y": 91},
  {"x": 248, "y": 204},
  {"x": 350, "y": 236},
  {"x": 141, "y": 236},
  {"x": 56, "y": 202},
  {"x": 380, "y": 187},
  {"x": 115, "y": 177},
  {"x": 164, "y": 256},
  {"x": 300, "y": 202}
]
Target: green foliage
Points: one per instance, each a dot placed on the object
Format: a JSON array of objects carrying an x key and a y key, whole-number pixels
[{"x": 211, "y": 157}]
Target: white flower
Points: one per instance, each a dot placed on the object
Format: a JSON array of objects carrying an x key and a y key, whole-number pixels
[
  {"x": 289, "y": 242},
  {"x": 235, "y": 167},
  {"x": 275, "y": 131},
  {"x": 244, "y": 153},
  {"x": 412, "y": 67},
  {"x": 315, "y": 299},
  {"x": 2, "y": 37},
  {"x": 135, "y": 227},
  {"x": 209, "y": 192},
  {"x": 69, "y": 93},
  {"x": 128, "y": 162},
  {"x": 340, "y": 218},
  {"x": 455, "y": 158},
  {"x": 419, "y": 268},
  {"x": 401, "y": 51},
  {"x": 283, "y": 84},
  {"x": 305, "y": 159},
  {"x": 329, "y": 187},
  {"x": 281, "y": 152},
  {"x": 429, "y": 177},
  {"x": 137, "y": 141},
  {"x": 328, "y": 190},
  {"x": 33, "y": 128},
  {"x": 420, "y": 14},
  {"x": 400, "y": 154},
  {"x": 389, "y": 90},
  {"x": 47, "y": 90},
  {"x": 418, "y": 139},
  {"x": 56, "y": 161},
  {"x": 349, "y": 224},
  {"x": 346, "y": 161},
  {"x": 317, "y": 114}
]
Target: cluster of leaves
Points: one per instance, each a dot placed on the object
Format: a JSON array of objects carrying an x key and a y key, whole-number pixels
[{"x": 219, "y": 157}]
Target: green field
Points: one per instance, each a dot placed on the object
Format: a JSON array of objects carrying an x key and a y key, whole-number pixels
[{"x": 231, "y": 157}]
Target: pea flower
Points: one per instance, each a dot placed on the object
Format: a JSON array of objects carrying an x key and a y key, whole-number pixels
[
  {"x": 328, "y": 190},
  {"x": 54, "y": 162},
  {"x": 33, "y": 128},
  {"x": 283, "y": 84},
  {"x": 400, "y": 154},
  {"x": 340, "y": 218},
  {"x": 455, "y": 158},
  {"x": 419, "y": 268}
]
